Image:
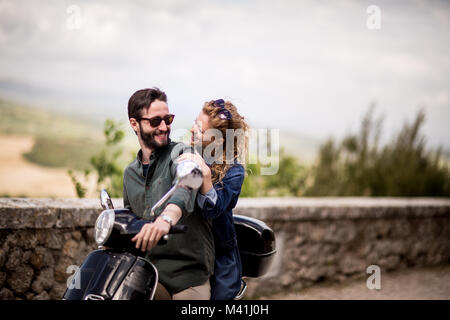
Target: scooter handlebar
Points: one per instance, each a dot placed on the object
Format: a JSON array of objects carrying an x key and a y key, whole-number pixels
[
  {"x": 174, "y": 229},
  {"x": 178, "y": 228}
]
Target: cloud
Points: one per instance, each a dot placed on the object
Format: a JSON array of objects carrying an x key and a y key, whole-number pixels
[{"x": 315, "y": 62}]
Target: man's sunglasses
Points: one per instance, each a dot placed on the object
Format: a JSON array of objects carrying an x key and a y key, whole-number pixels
[{"x": 156, "y": 121}]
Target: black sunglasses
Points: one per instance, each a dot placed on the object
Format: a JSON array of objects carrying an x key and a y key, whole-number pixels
[
  {"x": 156, "y": 121},
  {"x": 224, "y": 114}
]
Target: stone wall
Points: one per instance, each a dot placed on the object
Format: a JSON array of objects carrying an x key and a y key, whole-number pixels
[
  {"x": 322, "y": 239},
  {"x": 39, "y": 240},
  {"x": 336, "y": 239}
]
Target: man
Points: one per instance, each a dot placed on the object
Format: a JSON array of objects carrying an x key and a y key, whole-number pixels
[{"x": 186, "y": 262}]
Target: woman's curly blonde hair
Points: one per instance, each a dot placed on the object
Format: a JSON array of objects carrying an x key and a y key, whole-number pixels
[{"x": 240, "y": 143}]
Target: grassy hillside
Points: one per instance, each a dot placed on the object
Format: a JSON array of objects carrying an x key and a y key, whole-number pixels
[
  {"x": 64, "y": 141},
  {"x": 25, "y": 120},
  {"x": 60, "y": 141}
]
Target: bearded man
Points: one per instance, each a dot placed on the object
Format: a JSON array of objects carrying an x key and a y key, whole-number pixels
[{"x": 186, "y": 262}]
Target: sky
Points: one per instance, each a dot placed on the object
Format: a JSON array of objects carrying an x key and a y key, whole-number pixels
[{"x": 310, "y": 67}]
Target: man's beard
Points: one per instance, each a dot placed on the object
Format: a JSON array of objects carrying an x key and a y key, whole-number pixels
[{"x": 149, "y": 138}]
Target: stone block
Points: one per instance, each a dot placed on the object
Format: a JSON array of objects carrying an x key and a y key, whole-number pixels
[
  {"x": 44, "y": 281},
  {"x": 70, "y": 248},
  {"x": 19, "y": 280},
  {"x": 41, "y": 257},
  {"x": 42, "y": 296},
  {"x": 6, "y": 294}
]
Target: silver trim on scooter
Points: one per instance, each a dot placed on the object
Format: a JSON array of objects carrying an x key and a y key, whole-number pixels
[
  {"x": 93, "y": 297},
  {"x": 242, "y": 291},
  {"x": 157, "y": 279}
]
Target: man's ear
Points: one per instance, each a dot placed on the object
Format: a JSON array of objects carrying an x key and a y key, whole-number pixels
[{"x": 134, "y": 125}]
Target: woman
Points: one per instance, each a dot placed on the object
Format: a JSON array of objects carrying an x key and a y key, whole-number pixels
[{"x": 223, "y": 175}]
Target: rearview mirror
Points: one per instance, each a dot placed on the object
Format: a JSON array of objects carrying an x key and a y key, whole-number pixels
[
  {"x": 189, "y": 174},
  {"x": 105, "y": 200}
]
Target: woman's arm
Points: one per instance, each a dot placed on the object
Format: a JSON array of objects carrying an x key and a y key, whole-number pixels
[
  {"x": 223, "y": 195},
  {"x": 214, "y": 200}
]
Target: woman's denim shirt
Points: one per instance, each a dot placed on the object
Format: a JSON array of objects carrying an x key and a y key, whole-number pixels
[{"x": 217, "y": 204}]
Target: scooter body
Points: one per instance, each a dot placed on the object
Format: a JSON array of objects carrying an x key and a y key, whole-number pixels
[
  {"x": 119, "y": 271},
  {"x": 109, "y": 275}
]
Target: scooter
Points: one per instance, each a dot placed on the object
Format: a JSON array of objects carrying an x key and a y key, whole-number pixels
[{"x": 119, "y": 271}]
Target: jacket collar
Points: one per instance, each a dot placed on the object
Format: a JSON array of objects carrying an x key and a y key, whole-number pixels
[{"x": 155, "y": 154}]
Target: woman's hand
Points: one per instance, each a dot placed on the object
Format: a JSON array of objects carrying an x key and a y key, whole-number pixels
[{"x": 197, "y": 158}]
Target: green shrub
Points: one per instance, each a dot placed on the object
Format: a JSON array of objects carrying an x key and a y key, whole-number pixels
[
  {"x": 106, "y": 163},
  {"x": 357, "y": 166}
]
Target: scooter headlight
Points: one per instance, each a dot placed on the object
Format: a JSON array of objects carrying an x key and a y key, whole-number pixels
[{"x": 104, "y": 226}]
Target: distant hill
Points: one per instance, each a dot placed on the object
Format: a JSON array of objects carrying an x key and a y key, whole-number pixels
[
  {"x": 59, "y": 141},
  {"x": 64, "y": 140},
  {"x": 299, "y": 145},
  {"x": 21, "y": 119}
]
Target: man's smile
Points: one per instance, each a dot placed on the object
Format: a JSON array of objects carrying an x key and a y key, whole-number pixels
[{"x": 161, "y": 135}]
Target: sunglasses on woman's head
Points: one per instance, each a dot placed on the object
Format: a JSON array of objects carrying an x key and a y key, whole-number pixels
[
  {"x": 156, "y": 121},
  {"x": 224, "y": 114}
]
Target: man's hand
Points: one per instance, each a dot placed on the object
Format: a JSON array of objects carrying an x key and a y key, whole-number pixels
[{"x": 151, "y": 233}]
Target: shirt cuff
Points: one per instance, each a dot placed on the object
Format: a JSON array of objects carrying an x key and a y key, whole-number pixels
[{"x": 211, "y": 196}]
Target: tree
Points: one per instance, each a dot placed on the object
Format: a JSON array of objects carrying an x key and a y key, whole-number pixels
[
  {"x": 358, "y": 167},
  {"x": 105, "y": 164}
]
